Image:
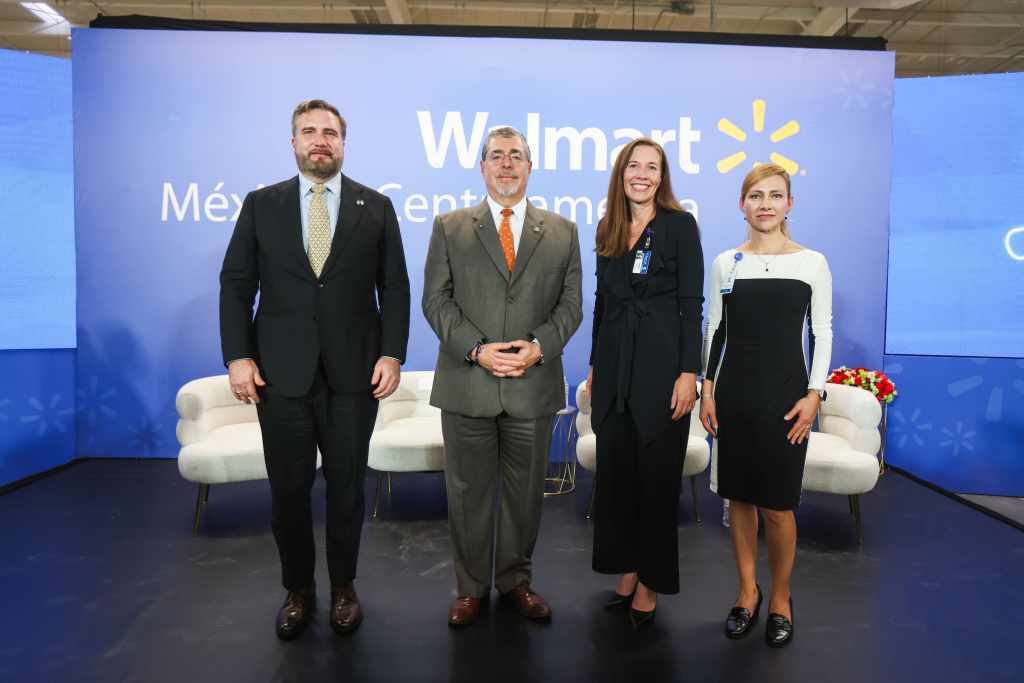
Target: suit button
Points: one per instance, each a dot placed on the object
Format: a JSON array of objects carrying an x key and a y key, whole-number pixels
[
  {"x": 321, "y": 285},
  {"x": 511, "y": 299}
]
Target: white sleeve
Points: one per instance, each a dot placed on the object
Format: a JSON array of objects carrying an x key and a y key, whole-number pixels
[
  {"x": 821, "y": 325},
  {"x": 714, "y": 317}
]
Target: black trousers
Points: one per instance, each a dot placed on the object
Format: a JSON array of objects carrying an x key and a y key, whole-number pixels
[
  {"x": 293, "y": 428},
  {"x": 636, "y": 501}
]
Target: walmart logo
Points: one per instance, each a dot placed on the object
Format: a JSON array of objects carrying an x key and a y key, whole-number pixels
[{"x": 735, "y": 132}]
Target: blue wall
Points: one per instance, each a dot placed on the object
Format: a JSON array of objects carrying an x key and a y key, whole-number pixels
[
  {"x": 37, "y": 411},
  {"x": 37, "y": 266},
  {"x": 955, "y": 297},
  {"x": 959, "y": 422}
]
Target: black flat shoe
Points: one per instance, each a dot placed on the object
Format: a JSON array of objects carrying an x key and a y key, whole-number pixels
[
  {"x": 740, "y": 619},
  {"x": 779, "y": 630},
  {"x": 640, "y": 619},
  {"x": 618, "y": 602}
]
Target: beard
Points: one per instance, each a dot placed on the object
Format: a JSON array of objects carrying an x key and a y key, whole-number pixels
[
  {"x": 507, "y": 188},
  {"x": 322, "y": 170}
]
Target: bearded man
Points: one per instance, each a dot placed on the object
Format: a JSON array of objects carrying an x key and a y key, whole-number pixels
[{"x": 325, "y": 255}]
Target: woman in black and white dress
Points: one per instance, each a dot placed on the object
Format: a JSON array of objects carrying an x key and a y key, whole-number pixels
[{"x": 758, "y": 399}]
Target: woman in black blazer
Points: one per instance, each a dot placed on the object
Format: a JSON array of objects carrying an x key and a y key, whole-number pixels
[{"x": 643, "y": 377}]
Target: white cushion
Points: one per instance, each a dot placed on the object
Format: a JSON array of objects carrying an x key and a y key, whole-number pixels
[
  {"x": 833, "y": 467},
  {"x": 227, "y": 454},
  {"x": 408, "y": 444}
]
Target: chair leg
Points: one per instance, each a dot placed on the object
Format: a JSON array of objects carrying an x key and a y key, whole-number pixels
[
  {"x": 855, "y": 509},
  {"x": 202, "y": 496},
  {"x": 593, "y": 490},
  {"x": 389, "y": 485},
  {"x": 376, "y": 497},
  {"x": 696, "y": 500}
]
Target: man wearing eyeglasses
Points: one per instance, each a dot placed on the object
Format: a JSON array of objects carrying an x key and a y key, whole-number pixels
[{"x": 502, "y": 293}]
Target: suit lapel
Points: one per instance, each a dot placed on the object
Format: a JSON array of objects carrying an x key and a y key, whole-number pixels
[
  {"x": 487, "y": 232},
  {"x": 533, "y": 232},
  {"x": 349, "y": 215},
  {"x": 293, "y": 221}
]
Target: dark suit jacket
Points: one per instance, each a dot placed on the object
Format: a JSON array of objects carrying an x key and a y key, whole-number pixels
[
  {"x": 468, "y": 295},
  {"x": 302, "y": 318},
  {"x": 647, "y": 332}
]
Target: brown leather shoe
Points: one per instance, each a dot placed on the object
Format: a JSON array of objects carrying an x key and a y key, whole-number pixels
[
  {"x": 346, "y": 614},
  {"x": 464, "y": 611},
  {"x": 295, "y": 614},
  {"x": 530, "y": 604}
]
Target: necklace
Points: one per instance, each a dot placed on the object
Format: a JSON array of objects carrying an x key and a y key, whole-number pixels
[
  {"x": 765, "y": 262},
  {"x": 768, "y": 262}
]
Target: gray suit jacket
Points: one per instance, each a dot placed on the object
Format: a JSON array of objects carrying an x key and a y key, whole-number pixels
[{"x": 469, "y": 295}]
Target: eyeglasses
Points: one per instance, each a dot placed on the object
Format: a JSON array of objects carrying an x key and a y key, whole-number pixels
[{"x": 498, "y": 157}]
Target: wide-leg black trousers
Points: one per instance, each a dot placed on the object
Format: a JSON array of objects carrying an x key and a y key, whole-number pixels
[
  {"x": 636, "y": 501},
  {"x": 293, "y": 428}
]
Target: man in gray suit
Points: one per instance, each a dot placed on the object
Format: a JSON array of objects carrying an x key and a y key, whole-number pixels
[{"x": 502, "y": 293}]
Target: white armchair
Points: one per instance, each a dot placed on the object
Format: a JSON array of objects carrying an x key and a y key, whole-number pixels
[
  {"x": 841, "y": 457},
  {"x": 697, "y": 455},
  {"x": 219, "y": 436},
  {"x": 407, "y": 436}
]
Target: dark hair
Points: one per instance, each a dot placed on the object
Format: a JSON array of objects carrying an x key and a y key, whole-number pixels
[
  {"x": 312, "y": 105},
  {"x": 613, "y": 230}
]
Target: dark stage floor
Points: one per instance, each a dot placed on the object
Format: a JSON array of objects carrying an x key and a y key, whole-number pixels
[{"x": 102, "y": 581}]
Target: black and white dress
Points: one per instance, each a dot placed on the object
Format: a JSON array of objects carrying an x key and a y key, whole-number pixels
[{"x": 754, "y": 352}]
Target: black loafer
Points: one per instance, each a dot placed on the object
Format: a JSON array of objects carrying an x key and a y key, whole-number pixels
[
  {"x": 619, "y": 602},
  {"x": 779, "y": 630},
  {"x": 740, "y": 619}
]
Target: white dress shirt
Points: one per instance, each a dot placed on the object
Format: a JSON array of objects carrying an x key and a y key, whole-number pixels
[{"x": 516, "y": 220}]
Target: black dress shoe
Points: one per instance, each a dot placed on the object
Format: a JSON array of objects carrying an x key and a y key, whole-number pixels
[
  {"x": 740, "y": 619},
  {"x": 295, "y": 614},
  {"x": 640, "y": 619},
  {"x": 618, "y": 602},
  {"x": 779, "y": 630}
]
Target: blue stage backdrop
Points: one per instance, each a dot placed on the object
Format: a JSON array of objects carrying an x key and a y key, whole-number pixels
[
  {"x": 173, "y": 128},
  {"x": 956, "y": 270}
]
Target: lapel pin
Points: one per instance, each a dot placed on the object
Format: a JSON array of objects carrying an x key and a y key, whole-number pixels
[{"x": 359, "y": 202}]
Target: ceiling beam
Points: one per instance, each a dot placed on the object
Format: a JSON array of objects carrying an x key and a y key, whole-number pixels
[
  {"x": 829, "y": 21},
  {"x": 399, "y": 11}
]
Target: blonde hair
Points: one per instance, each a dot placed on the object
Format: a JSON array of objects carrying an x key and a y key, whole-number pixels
[{"x": 759, "y": 173}]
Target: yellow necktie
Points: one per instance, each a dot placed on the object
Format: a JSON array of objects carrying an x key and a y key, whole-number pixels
[
  {"x": 508, "y": 244},
  {"x": 319, "y": 230}
]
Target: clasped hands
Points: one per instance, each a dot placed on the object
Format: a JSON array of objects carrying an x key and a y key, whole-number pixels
[{"x": 508, "y": 359}]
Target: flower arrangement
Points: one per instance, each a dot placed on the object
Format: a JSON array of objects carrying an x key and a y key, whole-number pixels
[{"x": 875, "y": 381}]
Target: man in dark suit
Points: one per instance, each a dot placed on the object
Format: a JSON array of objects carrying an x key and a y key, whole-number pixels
[
  {"x": 502, "y": 292},
  {"x": 325, "y": 254}
]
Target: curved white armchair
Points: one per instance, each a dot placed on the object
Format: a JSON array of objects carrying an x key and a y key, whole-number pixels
[
  {"x": 219, "y": 436},
  {"x": 841, "y": 457},
  {"x": 407, "y": 436},
  {"x": 698, "y": 453}
]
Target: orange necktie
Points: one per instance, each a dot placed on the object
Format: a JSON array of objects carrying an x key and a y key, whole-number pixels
[{"x": 508, "y": 245}]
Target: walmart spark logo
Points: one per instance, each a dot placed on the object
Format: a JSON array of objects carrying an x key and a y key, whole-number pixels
[{"x": 735, "y": 132}]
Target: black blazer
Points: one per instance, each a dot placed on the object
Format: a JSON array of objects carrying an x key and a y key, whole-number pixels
[
  {"x": 302, "y": 318},
  {"x": 647, "y": 327}
]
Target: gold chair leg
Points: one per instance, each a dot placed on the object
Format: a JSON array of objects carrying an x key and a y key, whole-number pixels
[
  {"x": 376, "y": 496},
  {"x": 593, "y": 490}
]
